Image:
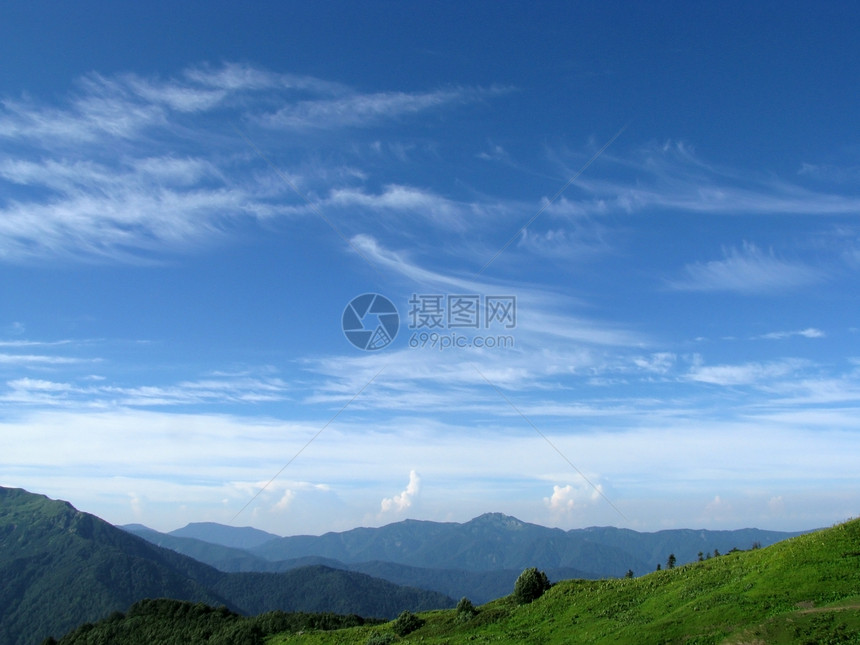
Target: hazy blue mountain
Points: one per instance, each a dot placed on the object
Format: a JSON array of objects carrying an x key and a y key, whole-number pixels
[
  {"x": 223, "y": 558},
  {"x": 495, "y": 541},
  {"x": 239, "y": 537},
  {"x": 486, "y": 543},
  {"x": 479, "y": 586},
  {"x": 60, "y": 568},
  {"x": 684, "y": 543},
  {"x": 479, "y": 559}
]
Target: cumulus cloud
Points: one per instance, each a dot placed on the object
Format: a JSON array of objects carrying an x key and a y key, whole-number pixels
[
  {"x": 285, "y": 501},
  {"x": 403, "y": 501},
  {"x": 565, "y": 499}
]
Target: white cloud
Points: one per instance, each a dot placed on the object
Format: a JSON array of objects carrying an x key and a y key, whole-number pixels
[
  {"x": 200, "y": 460},
  {"x": 285, "y": 501},
  {"x": 405, "y": 199},
  {"x": 747, "y": 271},
  {"x": 365, "y": 109},
  {"x": 673, "y": 177},
  {"x": 809, "y": 332},
  {"x": 658, "y": 362},
  {"x": 101, "y": 394},
  {"x": 403, "y": 501},
  {"x": 561, "y": 500},
  {"x": 41, "y": 359},
  {"x": 746, "y": 373},
  {"x": 100, "y": 178},
  {"x": 566, "y": 499}
]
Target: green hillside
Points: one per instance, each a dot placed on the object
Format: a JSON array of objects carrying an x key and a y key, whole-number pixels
[
  {"x": 60, "y": 567},
  {"x": 803, "y": 590},
  {"x": 169, "y": 622}
]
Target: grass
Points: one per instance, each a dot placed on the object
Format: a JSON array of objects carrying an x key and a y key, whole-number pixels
[{"x": 802, "y": 590}]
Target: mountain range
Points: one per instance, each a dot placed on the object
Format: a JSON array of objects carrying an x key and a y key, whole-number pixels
[
  {"x": 802, "y": 591},
  {"x": 60, "y": 567},
  {"x": 479, "y": 559}
]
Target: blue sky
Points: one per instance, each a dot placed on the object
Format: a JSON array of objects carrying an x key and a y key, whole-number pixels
[{"x": 190, "y": 196}]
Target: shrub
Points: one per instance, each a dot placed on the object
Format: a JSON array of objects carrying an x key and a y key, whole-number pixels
[
  {"x": 406, "y": 623},
  {"x": 530, "y": 586},
  {"x": 465, "y": 609},
  {"x": 380, "y": 638}
]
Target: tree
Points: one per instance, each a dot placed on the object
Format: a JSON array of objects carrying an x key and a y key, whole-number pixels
[
  {"x": 701, "y": 556},
  {"x": 406, "y": 623},
  {"x": 530, "y": 586},
  {"x": 670, "y": 563},
  {"x": 629, "y": 573},
  {"x": 658, "y": 566},
  {"x": 716, "y": 553},
  {"x": 465, "y": 609}
]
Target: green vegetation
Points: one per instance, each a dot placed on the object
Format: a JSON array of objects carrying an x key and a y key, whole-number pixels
[
  {"x": 465, "y": 610},
  {"x": 803, "y": 590},
  {"x": 530, "y": 586},
  {"x": 167, "y": 622},
  {"x": 406, "y": 623}
]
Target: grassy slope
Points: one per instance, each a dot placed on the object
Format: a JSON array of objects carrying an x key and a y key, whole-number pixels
[{"x": 748, "y": 597}]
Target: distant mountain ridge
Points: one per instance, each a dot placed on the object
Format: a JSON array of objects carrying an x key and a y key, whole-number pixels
[
  {"x": 244, "y": 537},
  {"x": 60, "y": 567},
  {"x": 480, "y": 558},
  {"x": 496, "y": 541}
]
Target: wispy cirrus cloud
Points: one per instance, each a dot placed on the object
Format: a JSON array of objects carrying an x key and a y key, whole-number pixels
[
  {"x": 358, "y": 110},
  {"x": 128, "y": 167},
  {"x": 41, "y": 360},
  {"x": 747, "y": 270},
  {"x": 754, "y": 373},
  {"x": 809, "y": 332},
  {"x": 673, "y": 177},
  {"x": 214, "y": 390}
]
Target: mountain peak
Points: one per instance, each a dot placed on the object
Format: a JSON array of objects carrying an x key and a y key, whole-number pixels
[
  {"x": 498, "y": 520},
  {"x": 239, "y": 537}
]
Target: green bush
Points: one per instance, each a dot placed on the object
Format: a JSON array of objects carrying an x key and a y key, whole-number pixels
[
  {"x": 380, "y": 638},
  {"x": 406, "y": 623},
  {"x": 530, "y": 586},
  {"x": 465, "y": 609}
]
